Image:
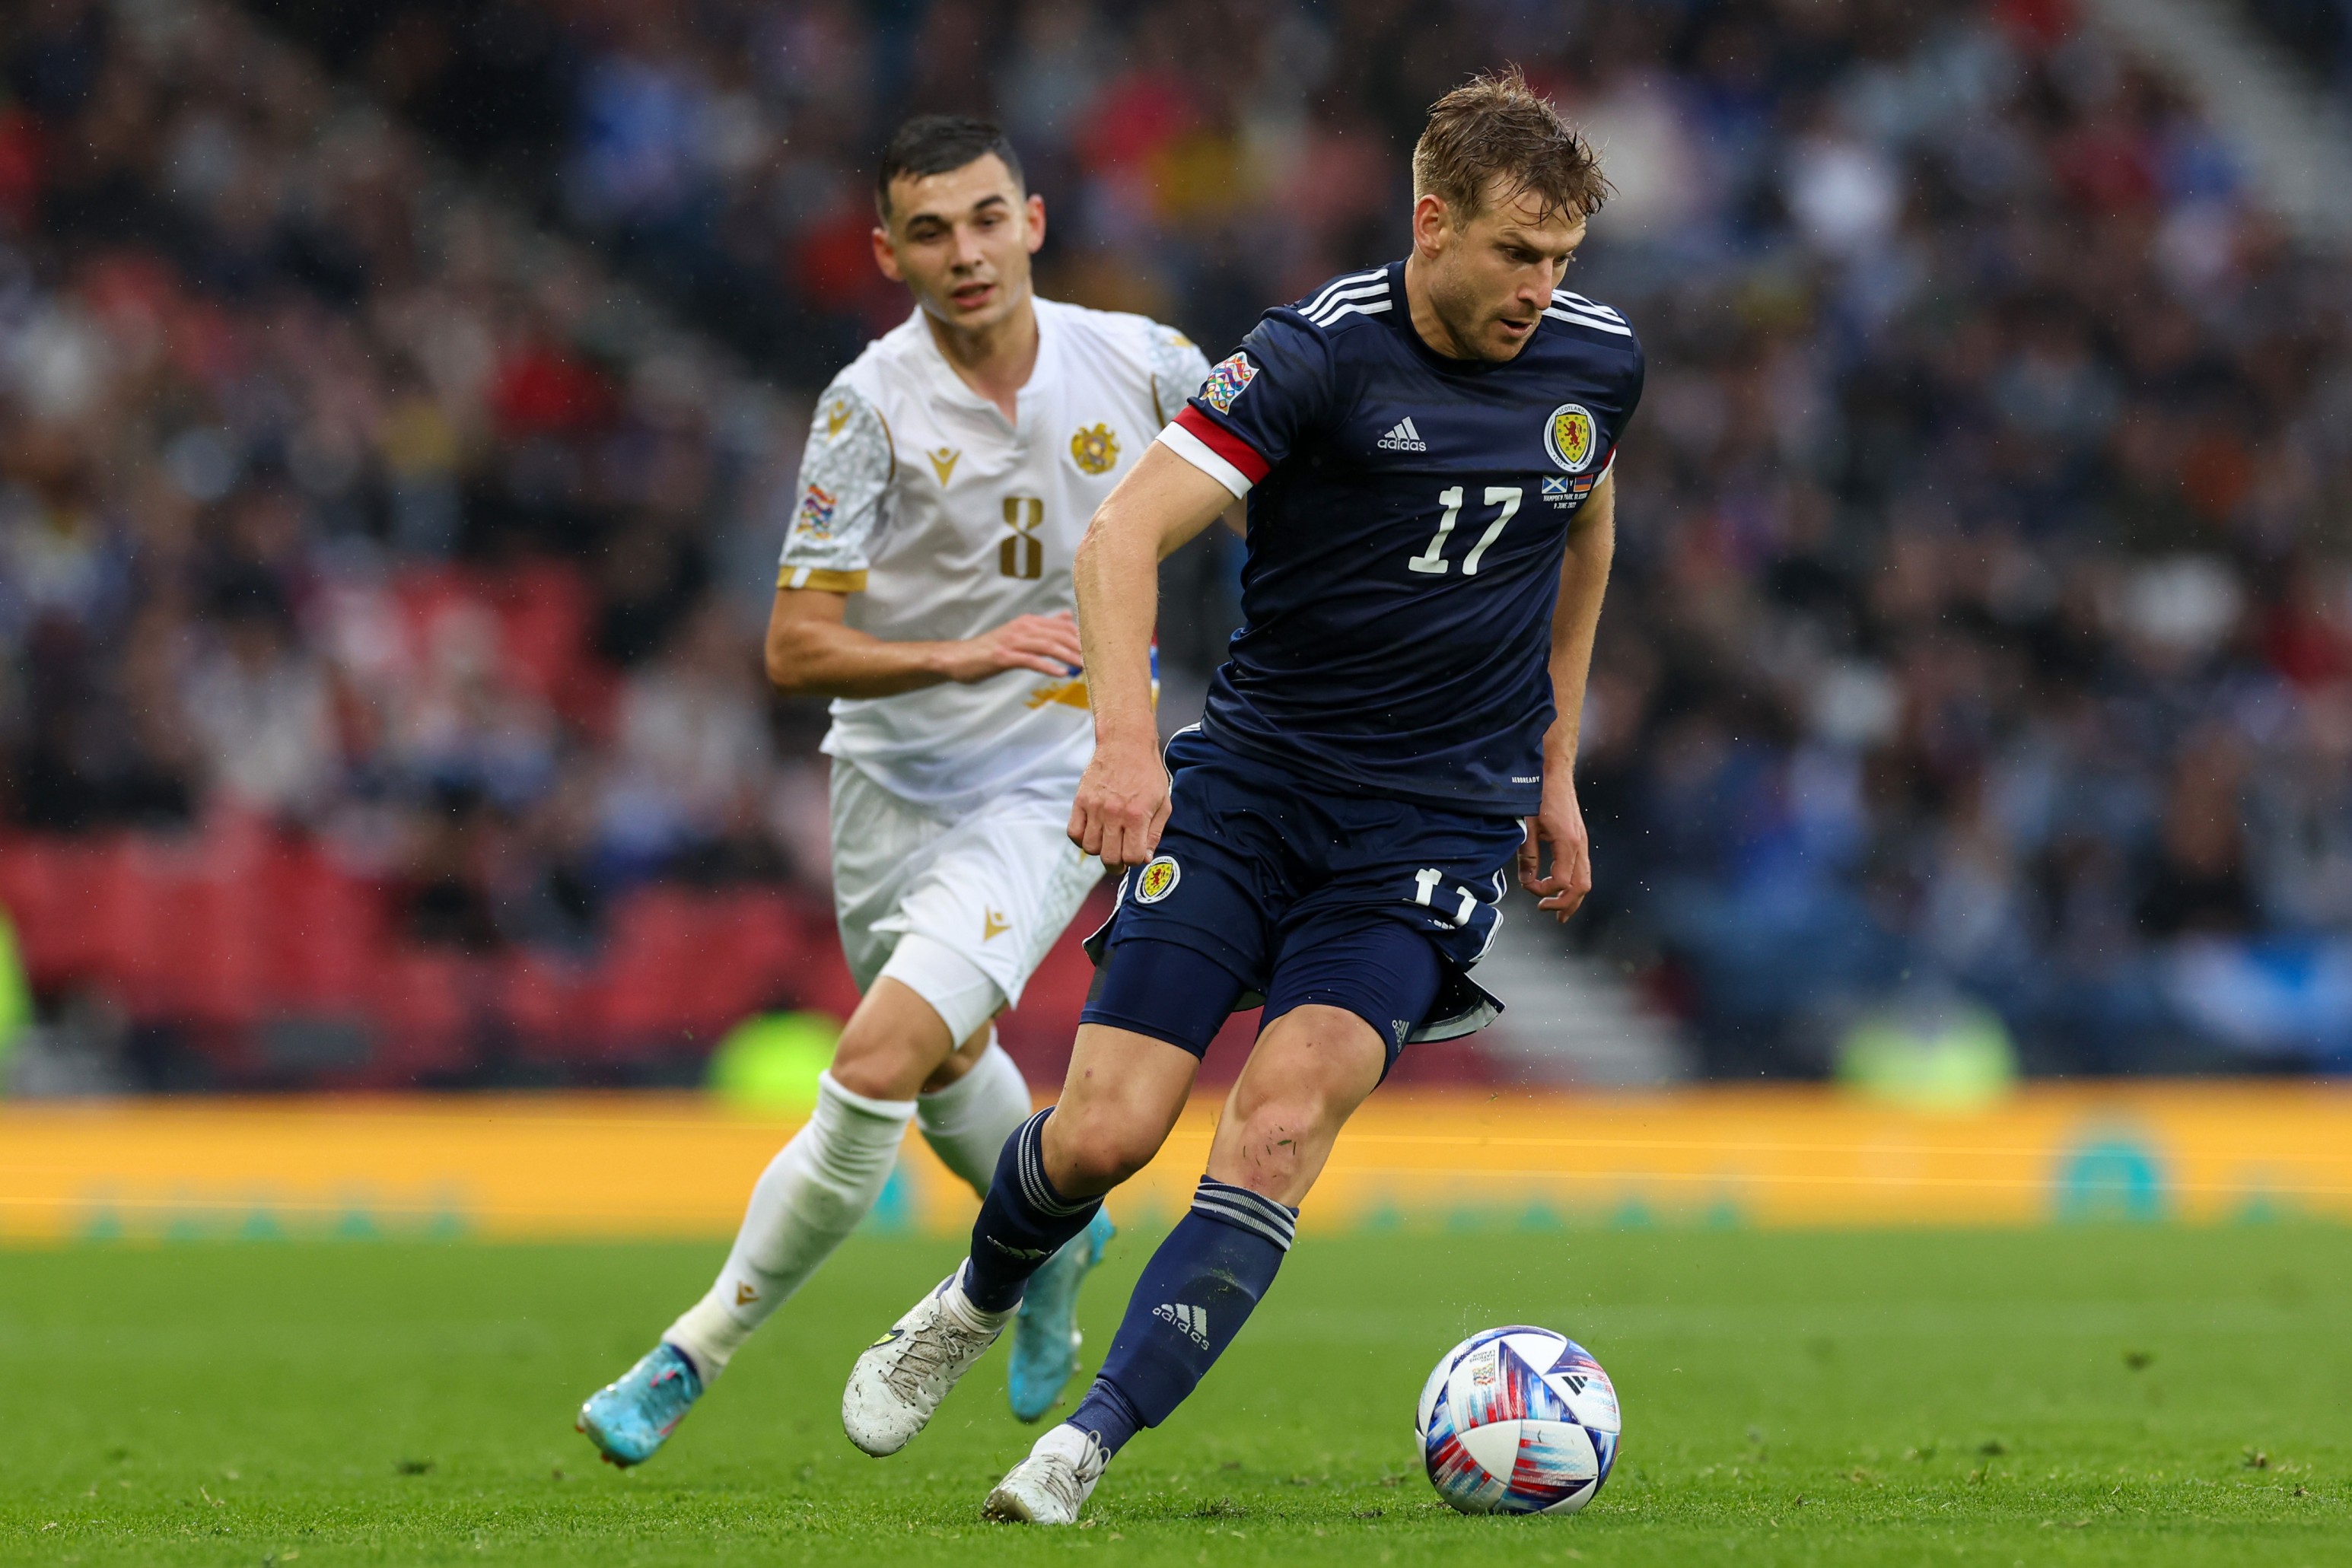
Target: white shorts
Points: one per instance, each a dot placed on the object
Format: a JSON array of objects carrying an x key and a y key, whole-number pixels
[{"x": 960, "y": 910}]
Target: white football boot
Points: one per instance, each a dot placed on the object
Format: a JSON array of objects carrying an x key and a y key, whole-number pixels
[
  {"x": 1052, "y": 1483},
  {"x": 902, "y": 1377}
]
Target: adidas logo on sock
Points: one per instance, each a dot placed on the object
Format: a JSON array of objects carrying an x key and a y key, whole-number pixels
[
  {"x": 1192, "y": 1322},
  {"x": 1404, "y": 438}
]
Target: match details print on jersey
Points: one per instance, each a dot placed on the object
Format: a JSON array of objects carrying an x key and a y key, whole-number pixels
[
  {"x": 1356, "y": 442},
  {"x": 942, "y": 519}
]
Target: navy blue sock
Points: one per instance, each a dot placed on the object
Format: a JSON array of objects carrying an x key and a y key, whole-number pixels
[
  {"x": 1194, "y": 1295},
  {"x": 1022, "y": 1221},
  {"x": 1108, "y": 1414}
]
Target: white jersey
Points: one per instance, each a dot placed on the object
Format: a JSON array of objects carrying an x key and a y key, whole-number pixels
[{"x": 941, "y": 520}]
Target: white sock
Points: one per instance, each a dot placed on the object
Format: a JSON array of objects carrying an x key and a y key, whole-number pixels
[
  {"x": 966, "y": 1123},
  {"x": 812, "y": 1195}
]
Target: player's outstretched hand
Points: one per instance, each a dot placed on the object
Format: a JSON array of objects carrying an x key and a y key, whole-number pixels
[
  {"x": 1122, "y": 804},
  {"x": 1045, "y": 643},
  {"x": 1560, "y": 824}
]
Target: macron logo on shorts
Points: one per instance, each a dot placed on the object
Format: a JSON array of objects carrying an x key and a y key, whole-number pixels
[{"x": 992, "y": 925}]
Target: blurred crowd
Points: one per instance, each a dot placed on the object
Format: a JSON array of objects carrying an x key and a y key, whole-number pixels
[
  {"x": 1981, "y": 626},
  {"x": 2315, "y": 34},
  {"x": 332, "y": 498}
]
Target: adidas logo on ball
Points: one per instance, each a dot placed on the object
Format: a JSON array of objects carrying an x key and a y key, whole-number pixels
[{"x": 1518, "y": 1420}]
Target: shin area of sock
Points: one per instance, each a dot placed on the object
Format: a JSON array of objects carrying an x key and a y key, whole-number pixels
[
  {"x": 1194, "y": 1295},
  {"x": 1024, "y": 1221},
  {"x": 811, "y": 1196}
]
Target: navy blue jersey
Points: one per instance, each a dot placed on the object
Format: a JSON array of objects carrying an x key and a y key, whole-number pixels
[{"x": 1407, "y": 515}]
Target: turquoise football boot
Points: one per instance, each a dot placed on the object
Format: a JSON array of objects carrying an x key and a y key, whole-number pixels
[
  {"x": 1045, "y": 1333},
  {"x": 629, "y": 1418}
]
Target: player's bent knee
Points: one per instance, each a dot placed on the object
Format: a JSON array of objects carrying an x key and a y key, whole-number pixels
[
  {"x": 1316, "y": 1051},
  {"x": 1282, "y": 1136},
  {"x": 884, "y": 1070},
  {"x": 1089, "y": 1154},
  {"x": 893, "y": 1044}
]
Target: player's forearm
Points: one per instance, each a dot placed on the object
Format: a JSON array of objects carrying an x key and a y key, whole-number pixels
[
  {"x": 822, "y": 659},
  {"x": 1583, "y": 582},
  {"x": 1164, "y": 501},
  {"x": 1117, "y": 574}
]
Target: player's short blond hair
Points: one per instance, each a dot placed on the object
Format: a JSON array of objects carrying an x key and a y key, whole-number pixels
[{"x": 1495, "y": 139}]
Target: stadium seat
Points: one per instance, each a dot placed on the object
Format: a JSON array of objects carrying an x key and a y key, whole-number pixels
[
  {"x": 544, "y": 1004},
  {"x": 323, "y": 942},
  {"x": 430, "y": 1007}
]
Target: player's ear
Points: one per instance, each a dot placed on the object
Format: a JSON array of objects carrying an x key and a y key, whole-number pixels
[
  {"x": 884, "y": 257},
  {"x": 1036, "y": 207},
  {"x": 1430, "y": 224}
]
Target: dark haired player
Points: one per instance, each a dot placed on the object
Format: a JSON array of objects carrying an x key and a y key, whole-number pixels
[
  {"x": 1426, "y": 451},
  {"x": 925, "y": 587}
]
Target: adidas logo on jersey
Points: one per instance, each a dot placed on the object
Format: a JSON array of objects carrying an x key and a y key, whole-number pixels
[
  {"x": 1192, "y": 1322},
  {"x": 1404, "y": 438}
]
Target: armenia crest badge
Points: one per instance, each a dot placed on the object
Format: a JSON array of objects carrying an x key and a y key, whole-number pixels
[{"x": 1095, "y": 448}]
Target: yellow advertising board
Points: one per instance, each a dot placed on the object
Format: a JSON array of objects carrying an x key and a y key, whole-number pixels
[{"x": 599, "y": 1165}]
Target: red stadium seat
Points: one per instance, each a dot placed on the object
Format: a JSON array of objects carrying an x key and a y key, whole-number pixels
[
  {"x": 323, "y": 942},
  {"x": 428, "y": 1005},
  {"x": 54, "y": 889},
  {"x": 545, "y": 1004}
]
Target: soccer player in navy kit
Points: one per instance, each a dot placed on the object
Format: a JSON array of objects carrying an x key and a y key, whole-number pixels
[{"x": 1426, "y": 449}]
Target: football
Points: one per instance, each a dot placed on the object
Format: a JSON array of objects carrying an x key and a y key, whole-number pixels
[{"x": 1518, "y": 1420}]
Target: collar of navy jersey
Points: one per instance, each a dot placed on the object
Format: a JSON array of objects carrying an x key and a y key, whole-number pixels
[
  {"x": 1375, "y": 293},
  {"x": 1576, "y": 310},
  {"x": 1358, "y": 294}
]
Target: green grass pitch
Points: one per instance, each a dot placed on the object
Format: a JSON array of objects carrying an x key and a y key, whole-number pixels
[{"x": 2094, "y": 1396}]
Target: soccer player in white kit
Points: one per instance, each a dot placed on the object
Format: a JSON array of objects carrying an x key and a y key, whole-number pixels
[{"x": 925, "y": 587}]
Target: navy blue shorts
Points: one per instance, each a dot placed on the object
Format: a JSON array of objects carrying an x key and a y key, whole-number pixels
[{"x": 1299, "y": 895}]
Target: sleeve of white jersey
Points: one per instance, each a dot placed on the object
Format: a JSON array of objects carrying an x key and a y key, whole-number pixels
[
  {"x": 1178, "y": 369},
  {"x": 845, "y": 470}
]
